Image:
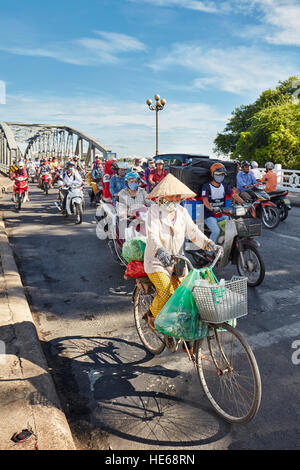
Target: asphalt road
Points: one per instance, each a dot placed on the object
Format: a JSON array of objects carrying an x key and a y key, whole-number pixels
[{"x": 116, "y": 395}]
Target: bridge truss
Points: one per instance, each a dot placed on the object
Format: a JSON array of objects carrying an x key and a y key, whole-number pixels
[{"x": 46, "y": 140}]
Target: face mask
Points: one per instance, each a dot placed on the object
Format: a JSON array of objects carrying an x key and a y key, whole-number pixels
[
  {"x": 133, "y": 186},
  {"x": 170, "y": 206},
  {"x": 219, "y": 178}
]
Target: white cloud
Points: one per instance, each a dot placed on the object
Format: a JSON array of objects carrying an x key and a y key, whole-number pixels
[
  {"x": 240, "y": 70},
  {"x": 284, "y": 18},
  {"x": 196, "y": 5},
  {"x": 126, "y": 127},
  {"x": 277, "y": 21},
  {"x": 84, "y": 51}
]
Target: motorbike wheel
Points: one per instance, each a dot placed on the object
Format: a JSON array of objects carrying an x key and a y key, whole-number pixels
[
  {"x": 18, "y": 202},
  {"x": 46, "y": 188},
  {"x": 270, "y": 217},
  {"x": 283, "y": 212},
  {"x": 79, "y": 213},
  {"x": 254, "y": 268}
]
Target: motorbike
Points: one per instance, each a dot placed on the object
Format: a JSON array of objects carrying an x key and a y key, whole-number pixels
[
  {"x": 74, "y": 203},
  {"x": 116, "y": 230},
  {"x": 97, "y": 188},
  {"x": 32, "y": 173},
  {"x": 45, "y": 183},
  {"x": 20, "y": 189},
  {"x": 239, "y": 245},
  {"x": 283, "y": 204},
  {"x": 263, "y": 208},
  {"x": 56, "y": 175}
]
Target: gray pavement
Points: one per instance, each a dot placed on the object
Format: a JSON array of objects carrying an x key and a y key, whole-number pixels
[
  {"x": 28, "y": 396},
  {"x": 113, "y": 393}
]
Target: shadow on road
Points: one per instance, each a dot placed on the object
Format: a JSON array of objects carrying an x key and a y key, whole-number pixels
[{"x": 111, "y": 384}]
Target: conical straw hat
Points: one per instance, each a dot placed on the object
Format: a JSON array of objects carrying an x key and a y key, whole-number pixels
[{"x": 171, "y": 186}]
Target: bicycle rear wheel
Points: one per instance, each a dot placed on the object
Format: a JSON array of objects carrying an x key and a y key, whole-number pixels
[
  {"x": 153, "y": 341},
  {"x": 229, "y": 374}
]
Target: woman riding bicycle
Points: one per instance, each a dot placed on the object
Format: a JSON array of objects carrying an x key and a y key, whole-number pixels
[{"x": 168, "y": 224}]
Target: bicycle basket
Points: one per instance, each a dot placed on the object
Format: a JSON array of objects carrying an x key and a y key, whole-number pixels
[
  {"x": 248, "y": 227},
  {"x": 221, "y": 303}
]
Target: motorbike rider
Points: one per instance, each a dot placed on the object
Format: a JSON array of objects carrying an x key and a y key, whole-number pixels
[
  {"x": 69, "y": 177},
  {"x": 117, "y": 182},
  {"x": 214, "y": 196},
  {"x": 95, "y": 178},
  {"x": 158, "y": 174},
  {"x": 270, "y": 178},
  {"x": 244, "y": 181},
  {"x": 151, "y": 166},
  {"x": 168, "y": 224},
  {"x": 255, "y": 170},
  {"x": 110, "y": 169},
  {"x": 30, "y": 165},
  {"x": 43, "y": 170},
  {"x": 78, "y": 166},
  {"x": 20, "y": 172},
  {"x": 132, "y": 197},
  {"x": 137, "y": 166}
]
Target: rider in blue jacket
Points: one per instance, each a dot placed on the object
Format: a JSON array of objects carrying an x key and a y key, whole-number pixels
[{"x": 117, "y": 182}]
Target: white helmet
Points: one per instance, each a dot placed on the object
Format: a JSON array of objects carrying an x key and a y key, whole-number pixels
[
  {"x": 269, "y": 166},
  {"x": 20, "y": 164},
  {"x": 122, "y": 165},
  {"x": 254, "y": 164}
]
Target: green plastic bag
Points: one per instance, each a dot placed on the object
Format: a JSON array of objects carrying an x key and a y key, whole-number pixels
[
  {"x": 222, "y": 226},
  {"x": 134, "y": 249},
  {"x": 179, "y": 317}
]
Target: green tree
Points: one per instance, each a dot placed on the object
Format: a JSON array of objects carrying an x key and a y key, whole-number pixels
[{"x": 265, "y": 130}]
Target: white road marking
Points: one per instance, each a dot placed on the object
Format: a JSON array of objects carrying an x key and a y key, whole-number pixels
[
  {"x": 267, "y": 339},
  {"x": 288, "y": 236}
]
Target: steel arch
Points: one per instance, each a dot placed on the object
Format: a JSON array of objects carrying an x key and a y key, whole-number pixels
[{"x": 46, "y": 140}]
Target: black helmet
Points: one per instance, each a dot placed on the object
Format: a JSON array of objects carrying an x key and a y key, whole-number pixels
[{"x": 245, "y": 163}]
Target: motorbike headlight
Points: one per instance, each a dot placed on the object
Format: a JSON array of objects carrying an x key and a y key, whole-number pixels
[{"x": 240, "y": 211}]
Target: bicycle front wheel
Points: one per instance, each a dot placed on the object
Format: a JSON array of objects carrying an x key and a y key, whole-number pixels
[
  {"x": 153, "y": 341},
  {"x": 229, "y": 374}
]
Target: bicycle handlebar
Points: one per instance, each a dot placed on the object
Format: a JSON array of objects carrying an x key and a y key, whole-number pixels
[{"x": 188, "y": 262}]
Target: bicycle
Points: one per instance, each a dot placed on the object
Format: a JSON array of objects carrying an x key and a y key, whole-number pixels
[{"x": 224, "y": 361}]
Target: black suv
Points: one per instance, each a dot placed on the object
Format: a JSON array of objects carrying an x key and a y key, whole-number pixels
[{"x": 178, "y": 159}]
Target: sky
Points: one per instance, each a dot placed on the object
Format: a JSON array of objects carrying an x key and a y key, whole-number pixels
[{"x": 93, "y": 64}]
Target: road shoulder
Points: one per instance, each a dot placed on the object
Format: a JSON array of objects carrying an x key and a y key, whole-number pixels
[{"x": 27, "y": 392}]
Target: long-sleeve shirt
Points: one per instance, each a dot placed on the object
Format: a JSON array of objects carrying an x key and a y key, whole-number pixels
[
  {"x": 97, "y": 174},
  {"x": 73, "y": 179},
  {"x": 162, "y": 233},
  {"x": 116, "y": 184},
  {"x": 129, "y": 204},
  {"x": 244, "y": 179}
]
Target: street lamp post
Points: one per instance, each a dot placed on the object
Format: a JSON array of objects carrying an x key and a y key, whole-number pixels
[{"x": 158, "y": 106}]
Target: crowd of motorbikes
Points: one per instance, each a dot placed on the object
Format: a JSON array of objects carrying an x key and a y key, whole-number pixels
[
  {"x": 47, "y": 179},
  {"x": 239, "y": 241}
]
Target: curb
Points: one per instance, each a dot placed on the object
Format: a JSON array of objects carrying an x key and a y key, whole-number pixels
[{"x": 50, "y": 426}]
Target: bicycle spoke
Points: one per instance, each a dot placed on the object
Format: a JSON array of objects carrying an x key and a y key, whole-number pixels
[{"x": 230, "y": 377}]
